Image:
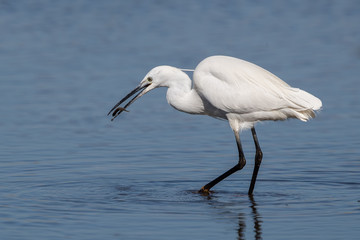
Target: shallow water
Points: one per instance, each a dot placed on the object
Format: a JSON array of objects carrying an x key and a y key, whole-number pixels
[{"x": 67, "y": 171}]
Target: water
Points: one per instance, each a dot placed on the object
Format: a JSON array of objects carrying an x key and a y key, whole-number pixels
[{"x": 66, "y": 171}]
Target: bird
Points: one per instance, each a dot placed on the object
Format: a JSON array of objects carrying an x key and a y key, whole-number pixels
[{"x": 232, "y": 89}]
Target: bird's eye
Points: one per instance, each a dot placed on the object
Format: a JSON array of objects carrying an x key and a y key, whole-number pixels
[{"x": 149, "y": 79}]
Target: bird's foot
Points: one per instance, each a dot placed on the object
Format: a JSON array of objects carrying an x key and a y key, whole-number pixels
[{"x": 204, "y": 191}]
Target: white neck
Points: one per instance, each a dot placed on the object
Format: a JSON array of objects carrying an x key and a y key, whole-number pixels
[{"x": 182, "y": 97}]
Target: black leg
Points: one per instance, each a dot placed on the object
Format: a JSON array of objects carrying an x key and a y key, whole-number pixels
[
  {"x": 258, "y": 158},
  {"x": 237, "y": 167}
]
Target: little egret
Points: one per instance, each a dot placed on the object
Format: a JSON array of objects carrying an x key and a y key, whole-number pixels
[{"x": 231, "y": 89}]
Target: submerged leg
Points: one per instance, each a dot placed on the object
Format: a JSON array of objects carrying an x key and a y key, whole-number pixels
[
  {"x": 258, "y": 158},
  {"x": 237, "y": 167}
]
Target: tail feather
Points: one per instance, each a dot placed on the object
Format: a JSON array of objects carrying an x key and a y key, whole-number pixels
[
  {"x": 313, "y": 102},
  {"x": 306, "y": 104}
]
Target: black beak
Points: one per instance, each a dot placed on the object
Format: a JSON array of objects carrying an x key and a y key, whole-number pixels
[{"x": 116, "y": 110}]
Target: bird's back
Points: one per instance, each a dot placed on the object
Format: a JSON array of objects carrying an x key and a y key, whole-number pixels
[{"x": 239, "y": 87}]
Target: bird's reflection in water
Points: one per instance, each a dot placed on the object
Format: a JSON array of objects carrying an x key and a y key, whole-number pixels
[
  {"x": 242, "y": 217},
  {"x": 242, "y": 227},
  {"x": 256, "y": 218}
]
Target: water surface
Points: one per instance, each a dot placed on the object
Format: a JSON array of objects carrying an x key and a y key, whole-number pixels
[{"x": 67, "y": 171}]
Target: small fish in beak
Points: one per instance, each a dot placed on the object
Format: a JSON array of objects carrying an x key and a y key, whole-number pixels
[{"x": 116, "y": 110}]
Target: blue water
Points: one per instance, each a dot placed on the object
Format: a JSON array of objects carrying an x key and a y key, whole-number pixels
[{"x": 68, "y": 172}]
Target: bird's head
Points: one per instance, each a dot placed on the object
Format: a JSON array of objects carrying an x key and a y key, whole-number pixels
[{"x": 157, "y": 77}]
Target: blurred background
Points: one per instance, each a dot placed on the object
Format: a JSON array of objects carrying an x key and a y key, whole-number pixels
[{"x": 66, "y": 171}]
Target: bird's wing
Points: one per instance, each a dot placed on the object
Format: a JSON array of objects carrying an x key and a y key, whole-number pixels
[{"x": 237, "y": 86}]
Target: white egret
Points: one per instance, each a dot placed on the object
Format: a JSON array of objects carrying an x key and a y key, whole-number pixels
[{"x": 231, "y": 89}]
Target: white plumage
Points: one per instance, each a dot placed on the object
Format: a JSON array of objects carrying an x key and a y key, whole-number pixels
[
  {"x": 231, "y": 89},
  {"x": 250, "y": 93}
]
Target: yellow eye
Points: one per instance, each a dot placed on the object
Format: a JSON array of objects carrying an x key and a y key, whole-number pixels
[{"x": 149, "y": 79}]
